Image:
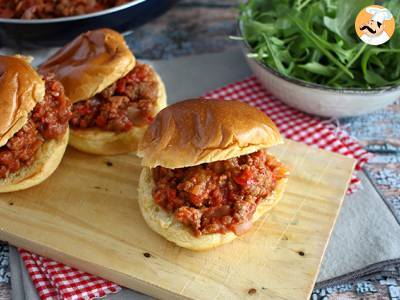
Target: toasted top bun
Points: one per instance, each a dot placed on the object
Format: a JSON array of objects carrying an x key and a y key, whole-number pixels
[
  {"x": 199, "y": 131},
  {"x": 21, "y": 87},
  {"x": 90, "y": 63}
]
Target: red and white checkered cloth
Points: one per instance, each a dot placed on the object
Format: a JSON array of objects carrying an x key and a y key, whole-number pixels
[{"x": 54, "y": 280}]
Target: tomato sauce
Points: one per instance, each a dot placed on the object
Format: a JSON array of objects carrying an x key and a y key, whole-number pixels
[
  {"x": 48, "y": 120},
  {"x": 217, "y": 197},
  {"x": 128, "y": 102}
]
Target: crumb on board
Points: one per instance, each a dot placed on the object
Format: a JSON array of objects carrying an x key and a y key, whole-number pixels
[{"x": 252, "y": 291}]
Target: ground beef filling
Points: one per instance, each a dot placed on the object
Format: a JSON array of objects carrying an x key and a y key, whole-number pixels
[
  {"x": 48, "y": 120},
  {"x": 217, "y": 197},
  {"x": 46, "y": 9},
  {"x": 128, "y": 102}
]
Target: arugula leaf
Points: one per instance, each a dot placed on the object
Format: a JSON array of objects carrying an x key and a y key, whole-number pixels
[
  {"x": 319, "y": 43},
  {"x": 317, "y": 68},
  {"x": 347, "y": 11},
  {"x": 273, "y": 52}
]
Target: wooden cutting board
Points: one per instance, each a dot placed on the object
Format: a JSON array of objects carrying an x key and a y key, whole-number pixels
[{"x": 86, "y": 216}]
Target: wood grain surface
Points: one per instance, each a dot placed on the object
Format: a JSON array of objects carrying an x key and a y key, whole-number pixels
[
  {"x": 86, "y": 216},
  {"x": 190, "y": 27},
  {"x": 380, "y": 134}
]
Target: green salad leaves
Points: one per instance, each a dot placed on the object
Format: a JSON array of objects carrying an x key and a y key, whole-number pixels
[{"x": 315, "y": 41}]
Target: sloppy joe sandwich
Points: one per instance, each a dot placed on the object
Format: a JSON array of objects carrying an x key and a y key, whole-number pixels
[
  {"x": 207, "y": 175},
  {"x": 114, "y": 97},
  {"x": 34, "y": 115}
]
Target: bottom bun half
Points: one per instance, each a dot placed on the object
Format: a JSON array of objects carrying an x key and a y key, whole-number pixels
[
  {"x": 101, "y": 142},
  {"x": 47, "y": 160},
  {"x": 165, "y": 224}
]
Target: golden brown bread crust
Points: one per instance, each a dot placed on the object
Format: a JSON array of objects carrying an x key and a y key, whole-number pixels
[
  {"x": 101, "y": 142},
  {"x": 46, "y": 162},
  {"x": 90, "y": 63},
  {"x": 21, "y": 88},
  {"x": 167, "y": 226},
  {"x": 199, "y": 131}
]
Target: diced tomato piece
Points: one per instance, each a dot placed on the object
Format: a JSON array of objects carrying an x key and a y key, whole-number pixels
[
  {"x": 171, "y": 194},
  {"x": 121, "y": 86},
  {"x": 245, "y": 178},
  {"x": 101, "y": 121}
]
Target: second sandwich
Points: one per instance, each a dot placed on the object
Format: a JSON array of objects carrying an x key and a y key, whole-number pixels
[{"x": 115, "y": 98}]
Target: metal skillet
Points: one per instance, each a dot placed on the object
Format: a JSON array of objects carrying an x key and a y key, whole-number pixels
[{"x": 19, "y": 33}]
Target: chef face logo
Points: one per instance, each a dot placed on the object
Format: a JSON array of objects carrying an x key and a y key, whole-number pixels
[{"x": 375, "y": 25}]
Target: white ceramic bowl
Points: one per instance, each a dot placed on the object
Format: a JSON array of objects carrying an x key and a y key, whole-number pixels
[{"x": 318, "y": 99}]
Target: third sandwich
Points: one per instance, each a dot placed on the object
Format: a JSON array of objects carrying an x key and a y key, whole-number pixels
[
  {"x": 115, "y": 98},
  {"x": 207, "y": 173},
  {"x": 34, "y": 115}
]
